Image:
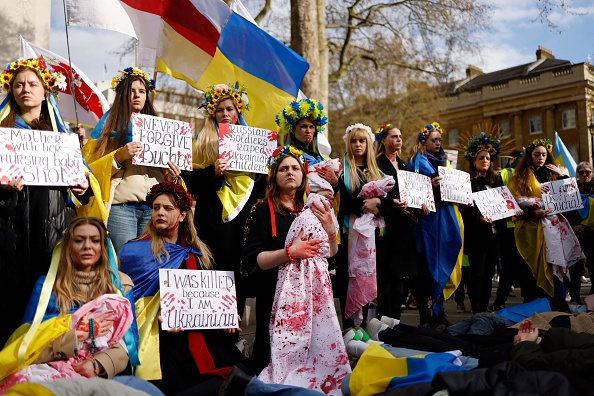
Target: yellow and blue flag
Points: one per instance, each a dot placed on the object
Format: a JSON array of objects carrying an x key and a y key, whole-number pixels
[{"x": 563, "y": 156}]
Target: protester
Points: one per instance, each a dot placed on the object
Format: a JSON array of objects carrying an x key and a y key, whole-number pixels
[
  {"x": 358, "y": 286},
  {"x": 546, "y": 242},
  {"x": 438, "y": 235},
  {"x": 481, "y": 234},
  {"x": 401, "y": 258},
  {"x": 32, "y": 218},
  {"x": 223, "y": 197},
  {"x": 265, "y": 247},
  {"x": 109, "y": 153},
  {"x": 584, "y": 230},
  {"x": 194, "y": 361},
  {"x": 82, "y": 312}
]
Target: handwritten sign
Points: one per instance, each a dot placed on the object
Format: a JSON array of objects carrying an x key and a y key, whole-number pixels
[
  {"x": 246, "y": 148},
  {"x": 163, "y": 140},
  {"x": 496, "y": 203},
  {"x": 561, "y": 195},
  {"x": 193, "y": 299},
  {"x": 41, "y": 158},
  {"x": 415, "y": 190},
  {"x": 454, "y": 185}
]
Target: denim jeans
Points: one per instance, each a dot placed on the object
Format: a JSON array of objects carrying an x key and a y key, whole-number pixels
[
  {"x": 139, "y": 384},
  {"x": 257, "y": 387},
  {"x": 126, "y": 222}
]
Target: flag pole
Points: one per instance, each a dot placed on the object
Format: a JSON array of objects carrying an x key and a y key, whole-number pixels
[{"x": 72, "y": 90}]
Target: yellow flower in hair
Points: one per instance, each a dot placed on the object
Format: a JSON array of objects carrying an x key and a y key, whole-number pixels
[
  {"x": 303, "y": 106},
  {"x": 6, "y": 86},
  {"x": 549, "y": 147}
]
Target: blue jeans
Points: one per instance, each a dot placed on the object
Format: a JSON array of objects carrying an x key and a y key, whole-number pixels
[
  {"x": 139, "y": 384},
  {"x": 126, "y": 222},
  {"x": 257, "y": 387}
]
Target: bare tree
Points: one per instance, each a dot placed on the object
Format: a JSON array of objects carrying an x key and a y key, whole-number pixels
[
  {"x": 546, "y": 8},
  {"x": 304, "y": 41}
]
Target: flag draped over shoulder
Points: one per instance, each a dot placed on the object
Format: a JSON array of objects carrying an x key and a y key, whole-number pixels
[
  {"x": 563, "y": 156},
  {"x": 439, "y": 238},
  {"x": 90, "y": 102},
  {"x": 204, "y": 42}
]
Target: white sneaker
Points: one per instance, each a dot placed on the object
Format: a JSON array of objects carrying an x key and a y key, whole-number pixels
[
  {"x": 374, "y": 327},
  {"x": 356, "y": 348},
  {"x": 585, "y": 280},
  {"x": 391, "y": 322}
]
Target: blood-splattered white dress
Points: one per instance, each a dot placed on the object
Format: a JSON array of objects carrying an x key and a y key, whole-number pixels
[{"x": 307, "y": 348}]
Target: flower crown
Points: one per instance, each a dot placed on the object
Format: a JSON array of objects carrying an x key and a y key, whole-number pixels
[
  {"x": 482, "y": 142},
  {"x": 379, "y": 132},
  {"x": 216, "y": 92},
  {"x": 51, "y": 80},
  {"x": 181, "y": 196},
  {"x": 546, "y": 143},
  {"x": 297, "y": 110},
  {"x": 280, "y": 152},
  {"x": 133, "y": 72},
  {"x": 358, "y": 126},
  {"x": 433, "y": 127}
]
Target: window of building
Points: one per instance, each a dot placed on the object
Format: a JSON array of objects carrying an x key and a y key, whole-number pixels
[
  {"x": 504, "y": 125},
  {"x": 568, "y": 119},
  {"x": 453, "y": 137},
  {"x": 535, "y": 124}
]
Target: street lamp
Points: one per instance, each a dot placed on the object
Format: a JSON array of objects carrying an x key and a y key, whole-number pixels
[{"x": 591, "y": 130}]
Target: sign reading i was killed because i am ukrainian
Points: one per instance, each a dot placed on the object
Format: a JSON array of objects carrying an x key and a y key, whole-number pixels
[
  {"x": 415, "y": 190},
  {"x": 40, "y": 158},
  {"x": 163, "y": 140},
  {"x": 454, "y": 185},
  {"x": 561, "y": 195},
  {"x": 193, "y": 299},
  {"x": 246, "y": 148}
]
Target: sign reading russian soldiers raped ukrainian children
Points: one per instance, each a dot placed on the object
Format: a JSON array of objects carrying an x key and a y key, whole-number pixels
[
  {"x": 40, "y": 158},
  {"x": 246, "y": 148},
  {"x": 415, "y": 190},
  {"x": 561, "y": 195},
  {"x": 163, "y": 140},
  {"x": 496, "y": 203},
  {"x": 197, "y": 299},
  {"x": 454, "y": 185}
]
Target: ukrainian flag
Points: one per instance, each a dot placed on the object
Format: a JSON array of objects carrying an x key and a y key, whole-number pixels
[
  {"x": 204, "y": 42},
  {"x": 562, "y": 155}
]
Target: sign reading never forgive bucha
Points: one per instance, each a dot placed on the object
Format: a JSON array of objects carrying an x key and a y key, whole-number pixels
[
  {"x": 561, "y": 195},
  {"x": 163, "y": 140},
  {"x": 246, "y": 148},
  {"x": 193, "y": 299},
  {"x": 415, "y": 190},
  {"x": 41, "y": 158},
  {"x": 454, "y": 185},
  {"x": 496, "y": 203}
]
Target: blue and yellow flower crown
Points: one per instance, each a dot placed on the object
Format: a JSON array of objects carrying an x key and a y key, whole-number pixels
[
  {"x": 482, "y": 142},
  {"x": 51, "y": 80},
  {"x": 297, "y": 110},
  {"x": 216, "y": 92},
  {"x": 133, "y": 72},
  {"x": 280, "y": 152},
  {"x": 546, "y": 143},
  {"x": 379, "y": 132},
  {"x": 433, "y": 127}
]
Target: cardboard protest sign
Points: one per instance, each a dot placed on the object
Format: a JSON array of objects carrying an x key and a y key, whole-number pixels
[
  {"x": 163, "y": 140},
  {"x": 246, "y": 148},
  {"x": 496, "y": 203},
  {"x": 415, "y": 190},
  {"x": 454, "y": 185},
  {"x": 193, "y": 299},
  {"x": 561, "y": 195},
  {"x": 41, "y": 158}
]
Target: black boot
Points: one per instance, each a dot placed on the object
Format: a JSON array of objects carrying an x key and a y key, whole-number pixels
[{"x": 236, "y": 383}]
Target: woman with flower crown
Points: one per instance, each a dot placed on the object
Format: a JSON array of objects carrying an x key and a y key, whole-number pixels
[
  {"x": 481, "y": 234},
  {"x": 109, "y": 153},
  {"x": 438, "y": 235},
  {"x": 401, "y": 261},
  {"x": 546, "y": 242},
  {"x": 267, "y": 246},
  {"x": 32, "y": 218},
  {"x": 360, "y": 168},
  {"x": 223, "y": 197}
]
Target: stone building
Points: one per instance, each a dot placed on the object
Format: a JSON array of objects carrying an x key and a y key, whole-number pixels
[{"x": 529, "y": 101}]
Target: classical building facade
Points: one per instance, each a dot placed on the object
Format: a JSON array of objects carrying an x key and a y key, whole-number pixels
[{"x": 529, "y": 101}]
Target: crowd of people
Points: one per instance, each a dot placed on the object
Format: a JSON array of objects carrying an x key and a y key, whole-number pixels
[{"x": 313, "y": 229}]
